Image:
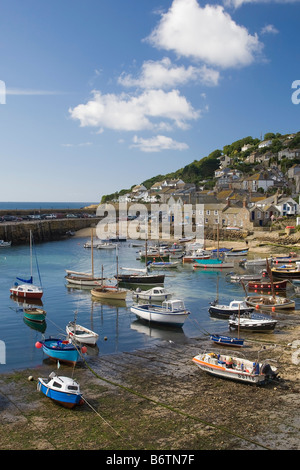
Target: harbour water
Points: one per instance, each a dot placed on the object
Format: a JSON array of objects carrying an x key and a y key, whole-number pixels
[{"x": 118, "y": 328}]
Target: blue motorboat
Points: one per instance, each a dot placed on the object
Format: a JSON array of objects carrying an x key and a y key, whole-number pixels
[
  {"x": 58, "y": 350},
  {"x": 62, "y": 390}
]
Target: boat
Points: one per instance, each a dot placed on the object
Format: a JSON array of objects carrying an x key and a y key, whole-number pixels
[
  {"x": 106, "y": 246},
  {"x": 269, "y": 302},
  {"x": 63, "y": 390},
  {"x": 27, "y": 289},
  {"x": 157, "y": 294},
  {"x": 225, "y": 311},
  {"x": 163, "y": 264},
  {"x": 291, "y": 271},
  {"x": 171, "y": 312},
  {"x": 251, "y": 322},
  {"x": 236, "y": 253},
  {"x": 222, "y": 340},
  {"x": 255, "y": 262},
  {"x": 59, "y": 350},
  {"x": 81, "y": 334},
  {"x": 235, "y": 368},
  {"x": 192, "y": 256},
  {"x": 136, "y": 278},
  {"x": 4, "y": 244},
  {"x": 212, "y": 263},
  {"x": 140, "y": 276},
  {"x": 35, "y": 314},
  {"x": 290, "y": 258},
  {"x": 244, "y": 277},
  {"x": 267, "y": 285},
  {"x": 110, "y": 292},
  {"x": 81, "y": 278}
]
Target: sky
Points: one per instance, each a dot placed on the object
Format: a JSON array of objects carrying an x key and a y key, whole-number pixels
[{"x": 97, "y": 96}]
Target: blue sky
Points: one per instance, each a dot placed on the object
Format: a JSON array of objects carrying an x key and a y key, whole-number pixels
[{"x": 101, "y": 95}]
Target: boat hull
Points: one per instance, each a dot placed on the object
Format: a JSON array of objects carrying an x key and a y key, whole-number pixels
[
  {"x": 249, "y": 374},
  {"x": 25, "y": 292},
  {"x": 81, "y": 281},
  {"x": 223, "y": 312},
  {"x": 152, "y": 313},
  {"x": 81, "y": 334},
  {"x": 267, "y": 303},
  {"x": 136, "y": 279},
  {"x": 222, "y": 340},
  {"x": 286, "y": 273},
  {"x": 58, "y": 350},
  {"x": 263, "y": 285},
  {"x": 34, "y": 314},
  {"x": 68, "y": 400},
  {"x": 212, "y": 264},
  {"x": 103, "y": 293},
  {"x": 255, "y": 325}
]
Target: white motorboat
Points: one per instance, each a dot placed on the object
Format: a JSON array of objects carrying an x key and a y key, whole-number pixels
[
  {"x": 235, "y": 368},
  {"x": 171, "y": 312},
  {"x": 251, "y": 322},
  {"x": 156, "y": 294},
  {"x": 81, "y": 334}
]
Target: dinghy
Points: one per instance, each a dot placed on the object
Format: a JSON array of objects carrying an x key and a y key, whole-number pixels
[{"x": 81, "y": 334}]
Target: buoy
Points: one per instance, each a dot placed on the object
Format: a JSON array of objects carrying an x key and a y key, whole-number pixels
[
  {"x": 105, "y": 338},
  {"x": 38, "y": 345},
  {"x": 257, "y": 306},
  {"x": 30, "y": 378},
  {"x": 84, "y": 349},
  {"x": 273, "y": 309}
]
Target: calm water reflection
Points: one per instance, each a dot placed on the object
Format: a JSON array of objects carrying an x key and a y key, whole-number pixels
[{"x": 118, "y": 328}]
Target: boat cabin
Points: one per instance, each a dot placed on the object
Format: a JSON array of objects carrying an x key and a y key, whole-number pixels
[{"x": 173, "y": 305}]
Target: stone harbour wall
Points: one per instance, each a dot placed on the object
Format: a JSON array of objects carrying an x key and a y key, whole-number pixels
[{"x": 42, "y": 230}]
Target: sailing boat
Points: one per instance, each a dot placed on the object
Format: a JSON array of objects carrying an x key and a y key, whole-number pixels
[
  {"x": 27, "y": 290},
  {"x": 84, "y": 279},
  {"x": 272, "y": 302},
  {"x": 143, "y": 277},
  {"x": 213, "y": 263},
  {"x": 109, "y": 292}
]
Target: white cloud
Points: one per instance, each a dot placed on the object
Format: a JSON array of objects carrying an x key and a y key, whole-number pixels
[
  {"x": 158, "y": 143},
  {"x": 163, "y": 74},
  {"x": 238, "y": 3},
  {"x": 135, "y": 113},
  {"x": 269, "y": 29},
  {"x": 208, "y": 34}
]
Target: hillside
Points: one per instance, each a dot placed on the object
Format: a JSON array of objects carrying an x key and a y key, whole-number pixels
[{"x": 203, "y": 169}]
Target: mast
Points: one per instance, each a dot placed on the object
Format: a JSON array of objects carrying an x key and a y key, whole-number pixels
[
  {"x": 30, "y": 243},
  {"x": 92, "y": 252}
]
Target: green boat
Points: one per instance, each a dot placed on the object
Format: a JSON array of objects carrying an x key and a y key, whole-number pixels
[
  {"x": 212, "y": 263},
  {"x": 35, "y": 314}
]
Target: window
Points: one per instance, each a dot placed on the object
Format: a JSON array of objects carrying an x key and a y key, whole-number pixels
[{"x": 208, "y": 212}]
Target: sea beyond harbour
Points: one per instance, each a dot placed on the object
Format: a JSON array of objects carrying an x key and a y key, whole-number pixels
[{"x": 12, "y": 205}]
